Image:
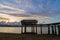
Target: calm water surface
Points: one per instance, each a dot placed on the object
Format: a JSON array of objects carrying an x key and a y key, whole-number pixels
[{"x": 18, "y": 30}]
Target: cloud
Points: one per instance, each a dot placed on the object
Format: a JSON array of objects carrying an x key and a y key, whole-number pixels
[
  {"x": 31, "y": 16},
  {"x": 40, "y": 16},
  {"x": 26, "y": 3},
  {"x": 10, "y": 17},
  {"x": 46, "y": 8},
  {"x": 12, "y": 12},
  {"x": 9, "y": 9},
  {"x": 41, "y": 7}
]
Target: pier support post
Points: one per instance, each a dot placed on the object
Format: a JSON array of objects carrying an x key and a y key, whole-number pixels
[
  {"x": 59, "y": 29},
  {"x": 41, "y": 29},
  {"x": 55, "y": 30},
  {"x": 52, "y": 29},
  {"x": 36, "y": 28},
  {"x": 25, "y": 30},
  {"x": 22, "y": 29},
  {"x": 48, "y": 29}
]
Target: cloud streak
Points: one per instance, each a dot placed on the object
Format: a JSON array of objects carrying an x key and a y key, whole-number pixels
[
  {"x": 11, "y": 18},
  {"x": 31, "y": 16},
  {"x": 9, "y": 9}
]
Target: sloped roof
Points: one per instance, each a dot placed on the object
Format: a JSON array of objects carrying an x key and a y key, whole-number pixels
[{"x": 29, "y": 21}]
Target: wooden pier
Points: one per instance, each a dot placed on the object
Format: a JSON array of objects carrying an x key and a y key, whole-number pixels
[{"x": 33, "y": 35}]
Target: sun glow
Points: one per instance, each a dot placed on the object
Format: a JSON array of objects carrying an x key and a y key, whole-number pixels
[{"x": 7, "y": 18}]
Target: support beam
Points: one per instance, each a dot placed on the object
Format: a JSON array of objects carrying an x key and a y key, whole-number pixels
[
  {"x": 25, "y": 29},
  {"x": 36, "y": 28},
  {"x": 48, "y": 29},
  {"x": 55, "y": 30},
  {"x": 22, "y": 29},
  {"x": 52, "y": 29},
  {"x": 41, "y": 29},
  {"x": 59, "y": 29}
]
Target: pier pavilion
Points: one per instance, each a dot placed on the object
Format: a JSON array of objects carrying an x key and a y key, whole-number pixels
[{"x": 31, "y": 24}]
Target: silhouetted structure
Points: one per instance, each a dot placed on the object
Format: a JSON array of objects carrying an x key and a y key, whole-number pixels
[
  {"x": 53, "y": 28},
  {"x": 48, "y": 29},
  {"x": 59, "y": 29},
  {"x": 29, "y": 23}
]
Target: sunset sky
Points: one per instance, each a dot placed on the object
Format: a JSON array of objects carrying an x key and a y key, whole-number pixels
[{"x": 45, "y": 11}]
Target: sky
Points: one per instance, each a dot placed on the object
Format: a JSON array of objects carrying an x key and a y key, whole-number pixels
[{"x": 45, "y": 11}]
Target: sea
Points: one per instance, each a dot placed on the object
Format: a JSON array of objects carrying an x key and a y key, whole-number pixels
[{"x": 28, "y": 29}]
